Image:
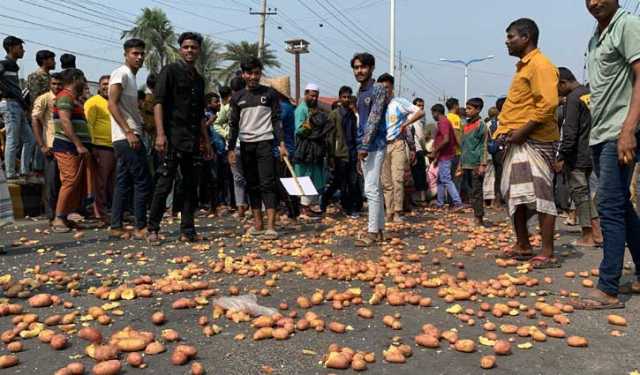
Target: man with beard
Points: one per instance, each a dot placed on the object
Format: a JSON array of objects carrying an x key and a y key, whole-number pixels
[
  {"x": 528, "y": 126},
  {"x": 614, "y": 71},
  {"x": 312, "y": 127},
  {"x": 180, "y": 133},
  {"x": 372, "y": 106},
  {"x": 255, "y": 119}
]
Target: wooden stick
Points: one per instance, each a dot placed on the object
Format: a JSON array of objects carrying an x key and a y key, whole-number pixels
[{"x": 293, "y": 174}]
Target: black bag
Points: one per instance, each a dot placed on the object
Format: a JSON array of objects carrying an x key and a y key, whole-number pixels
[{"x": 561, "y": 191}]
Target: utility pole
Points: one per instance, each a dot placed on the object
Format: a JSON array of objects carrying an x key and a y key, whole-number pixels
[
  {"x": 263, "y": 16},
  {"x": 392, "y": 38},
  {"x": 400, "y": 71},
  {"x": 466, "y": 70},
  {"x": 296, "y": 47}
]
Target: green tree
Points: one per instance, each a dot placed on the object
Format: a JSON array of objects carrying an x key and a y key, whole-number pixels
[
  {"x": 156, "y": 30},
  {"x": 208, "y": 62},
  {"x": 236, "y": 52}
]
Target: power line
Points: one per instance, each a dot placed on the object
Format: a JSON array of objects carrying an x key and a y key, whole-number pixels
[
  {"x": 71, "y": 15},
  {"x": 98, "y": 14}
]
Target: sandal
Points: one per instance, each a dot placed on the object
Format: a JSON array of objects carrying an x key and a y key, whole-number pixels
[
  {"x": 60, "y": 229},
  {"x": 576, "y": 244},
  {"x": 253, "y": 232},
  {"x": 366, "y": 240},
  {"x": 518, "y": 255},
  {"x": 270, "y": 235},
  {"x": 153, "y": 239},
  {"x": 541, "y": 262},
  {"x": 595, "y": 303},
  {"x": 191, "y": 237},
  {"x": 629, "y": 289}
]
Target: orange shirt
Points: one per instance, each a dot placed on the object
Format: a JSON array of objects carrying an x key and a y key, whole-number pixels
[{"x": 533, "y": 96}]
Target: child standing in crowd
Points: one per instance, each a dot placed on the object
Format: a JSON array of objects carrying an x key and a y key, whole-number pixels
[{"x": 473, "y": 161}]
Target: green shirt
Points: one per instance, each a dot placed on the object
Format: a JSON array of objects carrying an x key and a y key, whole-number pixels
[
  {"x": 610, "y": 75},
  {"x": 301, "y": 115},
  {"x": 474, "y": 145}
]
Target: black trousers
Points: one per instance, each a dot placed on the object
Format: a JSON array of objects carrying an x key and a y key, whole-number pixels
[
  {"x": 474, "y": 181},
  {"x": 291, "y": 201},
  {"x": 165, "y": 177},
  {"x": 343, "y": 177},
  {"x": 497, "y": 167},
  {"x": 258, "y": 164},
  {"x": 52, "y": 185},
  {"x": 419, "y": 172}
]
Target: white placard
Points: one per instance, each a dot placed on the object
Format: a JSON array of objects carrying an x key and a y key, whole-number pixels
[{"x": 305, "y": 183}]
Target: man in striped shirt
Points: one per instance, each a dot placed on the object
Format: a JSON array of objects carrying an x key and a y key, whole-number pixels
[{"x": 71, "y": 147}]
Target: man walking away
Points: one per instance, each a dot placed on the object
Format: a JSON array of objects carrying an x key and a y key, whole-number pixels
[
  {"x": 528, "y": 126},
  {"x": 127, "y": 130},
  {"x": 401, "y": 114},
  {"x": 444, "y": 152},
  {"x": 473, "y": 161},
  {"x": 613, "y": 63},
  {"x": 419, "y": 168},
  {"x": 12, "y": 108},
  {"x": 255, "y": 120},
  {"x": 96, "y": 110},
  {"x": 180, "y": 132},
  {"x": 372, "y": 135},
  {"x": 574, "y": 156}
]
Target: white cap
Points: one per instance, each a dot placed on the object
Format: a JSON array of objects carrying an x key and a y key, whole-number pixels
[{"x": 312, "y": 87}]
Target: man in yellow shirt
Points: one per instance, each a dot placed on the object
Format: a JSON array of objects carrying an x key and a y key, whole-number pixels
[
  {"x": 453, "y": 115},
  {"x": 527, "y": 125},
  {"x": 97, "y": 113}
]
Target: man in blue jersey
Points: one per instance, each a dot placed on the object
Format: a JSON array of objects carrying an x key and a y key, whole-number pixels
[{"x": 401, "y": 113}]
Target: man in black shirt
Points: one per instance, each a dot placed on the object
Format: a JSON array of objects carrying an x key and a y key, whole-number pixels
[
  {"x": 255, "y": 119},
  {"x": 12, "y": 109},
  {"x": 180, "y": 134},
  {"x": 574, "y": 156}
]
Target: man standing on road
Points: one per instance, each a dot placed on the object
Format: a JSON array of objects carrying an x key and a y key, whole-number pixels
[
  {"x": 12, "y": 109},
  {"x": 180, "y": 132},
  {"x": 401, "y": 114},
  {"x": 444, "y": 152},
  {"x": 574, "y": 156},
  {"x": 44, "y": 132},
  {"x": 127, "y": 129},
  {"x": 372, "y": 106},
  {"x": 97, "y": 113},
  {"x": 527, "y": 124},
  {"x": 614, "y": 78},
  {"x": 255, "y": 120},
  {"x": 419, "y": 168}
]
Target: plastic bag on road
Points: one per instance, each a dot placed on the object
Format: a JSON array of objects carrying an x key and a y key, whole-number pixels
[{"x": 247, "y": 303}]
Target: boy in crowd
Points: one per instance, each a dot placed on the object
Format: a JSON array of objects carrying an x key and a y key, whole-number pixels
[{"x": 444, "y": 152}]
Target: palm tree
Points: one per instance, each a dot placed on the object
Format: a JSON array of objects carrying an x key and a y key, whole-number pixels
[
  {"x": 156, "y": 30},
  {"x": 236, "y": 52},
  {"x": 208, "y": 62}
]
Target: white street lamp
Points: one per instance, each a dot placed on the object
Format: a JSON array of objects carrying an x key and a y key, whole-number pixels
[{"x": 466, "y": 70}]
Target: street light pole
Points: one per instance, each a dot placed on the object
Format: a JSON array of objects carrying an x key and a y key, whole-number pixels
[
  {"x": 466, "y": 71},
  {"x": 392, "y": 38}
]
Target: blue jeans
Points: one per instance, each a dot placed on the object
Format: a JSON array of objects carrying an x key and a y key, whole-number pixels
[
  {"x": 446, "y": 184},
  {"x": 18, "y": 132},
  {"x": 372, "y": 168},
  {"x": 618, "y": 219},
  {"x": 132, "y": 169}
]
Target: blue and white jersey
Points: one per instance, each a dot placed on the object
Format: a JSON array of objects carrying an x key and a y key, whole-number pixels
[{"x": 397, "y": 112}]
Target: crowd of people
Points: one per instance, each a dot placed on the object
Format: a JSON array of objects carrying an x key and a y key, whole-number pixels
[{"x": 127, "y": 154}]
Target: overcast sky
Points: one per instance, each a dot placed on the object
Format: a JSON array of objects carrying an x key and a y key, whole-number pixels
[{"x": 427, "y": 31}]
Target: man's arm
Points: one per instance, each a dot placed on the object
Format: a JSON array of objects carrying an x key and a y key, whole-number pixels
[
  {"x": 37, "y": 123},
  {"x": 161, "y": 92},
  {"x": 67, "y": 126},
  {"x": 627, "y": 145},
  {"x": 378, "y": 104},
  {"x": 234, "y": 124}
]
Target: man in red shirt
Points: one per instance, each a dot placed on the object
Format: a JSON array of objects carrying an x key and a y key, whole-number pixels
[{"x": 444, "y": 151}]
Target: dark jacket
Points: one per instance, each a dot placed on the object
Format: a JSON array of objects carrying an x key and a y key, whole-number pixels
[
  {"x": 312, "y": 147},
  {"x": 337, "y": 141},
  {"x": 574, "y": 149},
  {"x": 9, "y": 82}
]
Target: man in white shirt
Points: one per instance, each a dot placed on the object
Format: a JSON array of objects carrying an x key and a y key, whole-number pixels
[{"x": 126, "y": 132}]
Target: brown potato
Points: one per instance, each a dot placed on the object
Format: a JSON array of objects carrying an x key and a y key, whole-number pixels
[
  {"x": 75, "y": 368},
  {"x": 110, "y": 367},
  {"x": 577, "y": 341},
  {"x": 358, "y": 364},
  {"x": 336, "y": 360},
  {"x": 41, "y": 300},
  {"x": 337, "y": 327},
  {"x": 135, "y": 359},
  {"x": 189, "y": 350},
  {"x": 178, "y": 358},
  {"x": 90, "y": 334},
  {"x": 8, "y": 360},
  {"x": 465, "y": 346},
  {"x": 487, "y": 362},
  {"x": 616, "y": 320},
  {"x": 154, "y": 348},
  {"x": 197, "y": 368},
  {"x": 555, "y": 332},
  {"x": 132, "y": 344},
  {"x": 365, "y": 313},
  {"x": 170, "y": 335},
  {"x": 158, "y": 318},
  {"x": 263, "y": 333},
  {"x": 280, "y": 334},
  {"x": 104, "y": 352},
  {"x": 58, "y": 342},
  {"x": 502, "y": 347},
  {"x": 15, "y": 346},
  {"x": 427, "y": 341}
]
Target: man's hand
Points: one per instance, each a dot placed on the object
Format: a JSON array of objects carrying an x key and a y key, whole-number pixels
[
  {"x": 458, "y": 172},
  {"x": 231, "y": 156},
  {"x": 517, "y": 137},
  {"x": 46, "y": 151},
  {"x": 133, "y": 139},
  {"x": 362, "y": 155},
  {"x": 412, "y": 158},
  {"x": 627, "y": 146},
  {"x": 284, "y": 153},
  {"x": 161, "y": 144},
  {"x": 559, "y": 166},
  {"x": 82, "y": 150},
  {"x": 482, "y": 169},
  {"x": 208, "y": 152}
]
